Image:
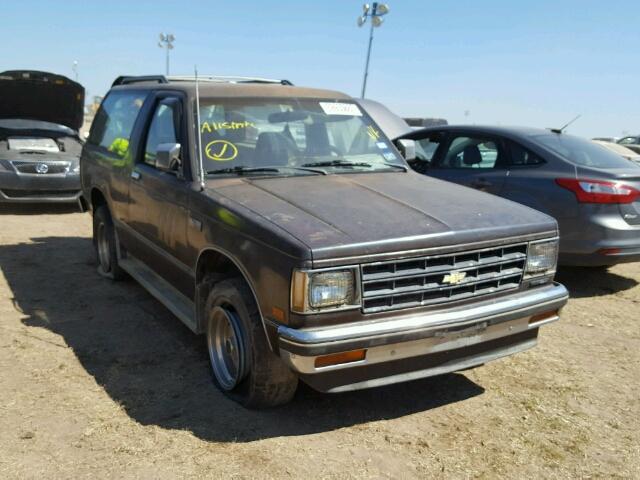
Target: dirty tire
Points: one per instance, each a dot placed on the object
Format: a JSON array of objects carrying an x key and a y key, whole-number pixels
[
  {"x": 267, "y": 381},
  {"x": 104, "y": 244}
]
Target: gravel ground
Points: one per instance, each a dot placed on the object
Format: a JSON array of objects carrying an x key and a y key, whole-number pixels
[{"x": 99, "y": 380}]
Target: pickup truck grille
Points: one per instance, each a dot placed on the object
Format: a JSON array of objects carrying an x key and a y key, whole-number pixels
[
  {"x": 440, "y": 279},
  {"x": 32, "y": 167}
]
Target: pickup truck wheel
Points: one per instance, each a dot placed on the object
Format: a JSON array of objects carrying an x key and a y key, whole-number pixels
[
  {"x": 104, "y": 242},
  {"x": 243, "y": 366}
]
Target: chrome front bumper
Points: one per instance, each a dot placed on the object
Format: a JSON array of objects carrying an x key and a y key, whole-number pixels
[{"x": 402, "y": 338}]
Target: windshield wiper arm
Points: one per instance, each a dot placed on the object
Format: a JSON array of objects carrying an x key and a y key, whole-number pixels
[
  {"x": 396, "y": 165},
  {"x": 38, "y": 152},
  {"x": 337, "y": 163}
]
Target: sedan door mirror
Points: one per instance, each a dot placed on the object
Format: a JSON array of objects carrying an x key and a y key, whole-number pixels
[
  {"x": 407, "y": 149},
  {"x": 168, "y": 157}
]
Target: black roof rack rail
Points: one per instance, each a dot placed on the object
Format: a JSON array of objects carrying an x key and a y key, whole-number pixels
[
  {"x": 129, "y": 79},
  {"x": 226, "y": 79}
]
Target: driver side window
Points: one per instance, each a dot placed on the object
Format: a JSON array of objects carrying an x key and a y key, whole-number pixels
[
  {"x": 473, "y": 153},
  {"x": 163, "y": 129}
]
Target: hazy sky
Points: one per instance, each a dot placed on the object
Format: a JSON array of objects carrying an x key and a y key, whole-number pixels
[{"x": 536, "y": 63}]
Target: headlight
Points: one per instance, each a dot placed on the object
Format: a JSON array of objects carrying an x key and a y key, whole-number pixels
[
  {"x": 542, "y": 257},
  {"x": 313, "y": 291}
]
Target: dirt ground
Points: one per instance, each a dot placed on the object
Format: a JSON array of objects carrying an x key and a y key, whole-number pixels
[{"x": 98, "y": 380}]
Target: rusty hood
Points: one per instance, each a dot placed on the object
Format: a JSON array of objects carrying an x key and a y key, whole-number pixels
[{"x": 361, "y": 214}]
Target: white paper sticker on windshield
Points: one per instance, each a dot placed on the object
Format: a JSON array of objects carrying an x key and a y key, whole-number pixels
[{"x": 340, "y": 108}]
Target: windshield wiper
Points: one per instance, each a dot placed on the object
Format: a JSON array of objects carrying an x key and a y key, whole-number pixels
[
  {"x": 240, "y": 169},
  {"x": 337, "y": 163},
  {"x": 266, "y": 169},
  {"x": 347, "y": 164},
  {"x": 38, "y": 152}
]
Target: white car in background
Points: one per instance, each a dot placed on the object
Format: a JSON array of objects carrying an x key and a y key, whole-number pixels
[{"x": 620, "y": 150}]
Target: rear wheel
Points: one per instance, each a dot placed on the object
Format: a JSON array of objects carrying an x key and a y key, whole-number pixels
[
  {"x": 243, "y": 365},
  {"x": 104, "y": 242}
]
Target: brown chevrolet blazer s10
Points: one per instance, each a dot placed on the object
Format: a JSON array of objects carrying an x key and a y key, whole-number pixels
[{"x": 284, "y": 226}]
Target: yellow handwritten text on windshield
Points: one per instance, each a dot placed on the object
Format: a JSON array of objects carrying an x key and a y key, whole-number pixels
[{"x": 211, "y": 126}]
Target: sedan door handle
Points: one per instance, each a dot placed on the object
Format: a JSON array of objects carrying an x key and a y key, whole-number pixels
[
  {"x": 136, "y": 175},
  {"x": 481, "y": 183}
]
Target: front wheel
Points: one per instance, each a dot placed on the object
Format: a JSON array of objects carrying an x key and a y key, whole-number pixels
[{"x": 243, "y": 365}]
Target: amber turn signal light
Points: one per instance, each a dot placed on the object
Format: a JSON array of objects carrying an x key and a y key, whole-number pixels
[
  {"x": 339, "y": 358},
  {"x": 540, "y": 317}
]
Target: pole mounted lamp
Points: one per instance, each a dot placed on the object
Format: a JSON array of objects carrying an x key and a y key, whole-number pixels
[
  {"x": 166, "y": 42},
  {"x": 375, "y": 12}
]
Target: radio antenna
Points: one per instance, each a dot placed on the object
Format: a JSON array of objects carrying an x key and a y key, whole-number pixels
[
  {"x": 198, "y": 127},
  {"x": 560, "y": 130}
]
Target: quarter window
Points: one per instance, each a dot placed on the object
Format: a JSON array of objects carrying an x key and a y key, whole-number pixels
[{"x": 114, "y": 121}]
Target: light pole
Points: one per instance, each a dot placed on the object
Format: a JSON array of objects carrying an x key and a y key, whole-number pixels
[
  {"x": 375, "y": 11},
  {"x": 166, "y": 42},
  {"x": 75, "y": 70}
]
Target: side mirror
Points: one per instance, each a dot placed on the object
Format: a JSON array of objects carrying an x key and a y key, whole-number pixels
[
  {"x": 168, "y": 157},
  {"x": 407, "y": 149}
]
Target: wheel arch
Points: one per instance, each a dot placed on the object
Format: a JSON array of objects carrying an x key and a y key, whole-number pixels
[
  {"x": 218, "y": 264},
  {"x": 98, "y": 199}
]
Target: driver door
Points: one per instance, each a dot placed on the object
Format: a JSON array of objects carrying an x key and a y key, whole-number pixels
[{"x": 158, "y": 200}]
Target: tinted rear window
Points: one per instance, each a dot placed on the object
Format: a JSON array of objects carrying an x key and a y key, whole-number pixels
[{"x": 581, "y": 152}]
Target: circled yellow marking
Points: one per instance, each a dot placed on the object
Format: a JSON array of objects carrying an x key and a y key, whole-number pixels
[{"x": 221, "y": 151}]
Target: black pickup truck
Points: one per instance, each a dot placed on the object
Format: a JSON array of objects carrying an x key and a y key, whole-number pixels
[{"x": 281, "y": 223}]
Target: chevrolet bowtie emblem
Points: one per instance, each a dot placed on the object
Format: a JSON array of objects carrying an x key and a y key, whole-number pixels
[{"x": 454, "y": 277}]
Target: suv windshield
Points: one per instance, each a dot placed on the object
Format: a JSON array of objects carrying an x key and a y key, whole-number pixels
[
  {"x": 291, "y": 136},
  {"x": 582, "y": 152}
]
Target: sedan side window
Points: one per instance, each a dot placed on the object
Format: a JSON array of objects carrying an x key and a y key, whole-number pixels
[
  {"x": 472, "y": 152},
  {"x": 163, "y": 129},
  {"x": 520, "y": 156},
  {"x": 426, "y": 148}
]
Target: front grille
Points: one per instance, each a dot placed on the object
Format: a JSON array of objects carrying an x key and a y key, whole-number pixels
[
  {"x": 11, "y": 193},
  {"x": 31, "y": 167},
  {"x": 431, "y": 280}
]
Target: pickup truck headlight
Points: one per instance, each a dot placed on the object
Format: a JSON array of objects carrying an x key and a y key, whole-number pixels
[
  {"x": 542, "y": 257},
  {"x": 315, "y": 291}
]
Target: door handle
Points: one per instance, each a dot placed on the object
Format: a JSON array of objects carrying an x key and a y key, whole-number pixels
[
  {"x": 136, "y": 175},
  {"x": 195, "y": 223},
  {"x": 481, "y": 183}
]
